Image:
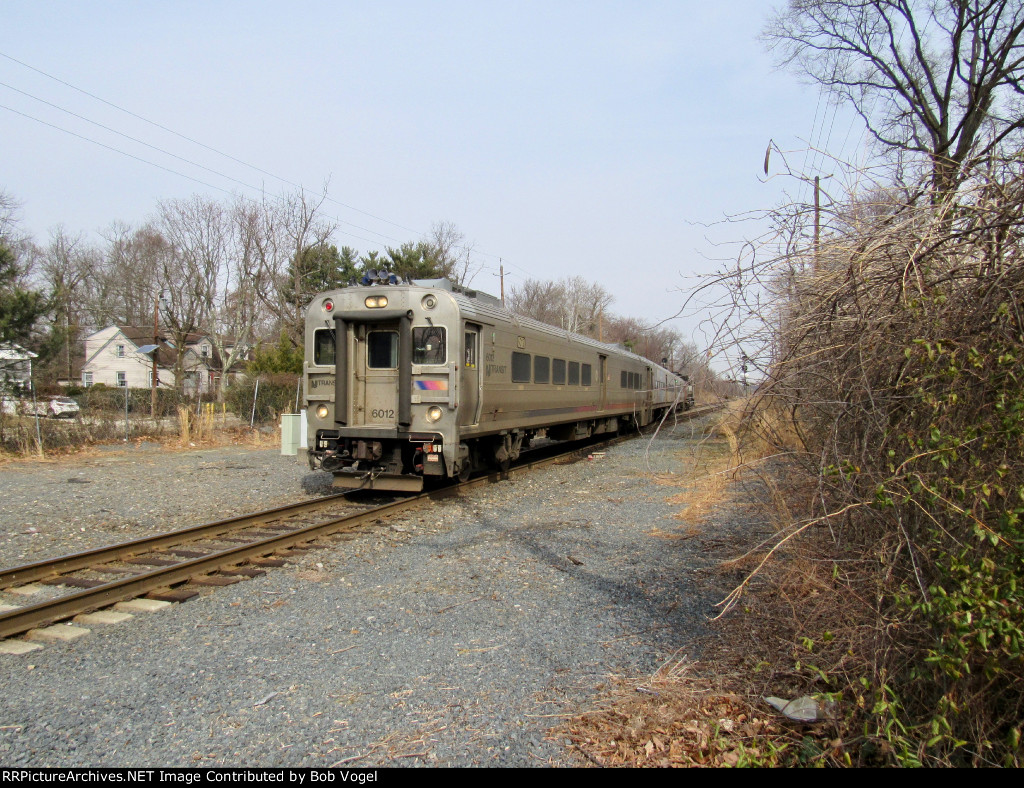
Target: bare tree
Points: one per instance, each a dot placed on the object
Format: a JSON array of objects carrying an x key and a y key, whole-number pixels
[
  {"x": 659, "y": 344},
  {"x": 234, "y": 309},
  {"x": 452, "y": 253},
  {"x": 941, "y": 78},
  {"x": 583, "y": 305},
  {"x": 195, "y": 230},
  {"x": 537, "y": 299},
  {"x": 68, "y": 263},
  {"x": 572, "y": 303},
  {"x": 277, "y": 233},
  {"x": 128, "y": 278}
]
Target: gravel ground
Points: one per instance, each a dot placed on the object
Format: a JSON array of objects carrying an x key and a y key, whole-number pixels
[
  {"x": 456, "y": 635},
  {"x": 115, "y": 493}
]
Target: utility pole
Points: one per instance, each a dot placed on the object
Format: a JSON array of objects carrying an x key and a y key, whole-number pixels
[
  {"x": 67, "y": 337},
  {"x": 156, "y": 347},
  {"x": 817, "y": 220},
  {"x": 501, "y": 269}
]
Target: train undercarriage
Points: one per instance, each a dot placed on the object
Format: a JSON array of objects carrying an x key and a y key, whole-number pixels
[{"x": 409, "y": 463}]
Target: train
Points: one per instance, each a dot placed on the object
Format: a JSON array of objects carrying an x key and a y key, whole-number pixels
[{"x": 408, "y": 383}]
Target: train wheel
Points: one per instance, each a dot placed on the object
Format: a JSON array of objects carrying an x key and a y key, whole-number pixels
[{"x": 464, "y": 472}]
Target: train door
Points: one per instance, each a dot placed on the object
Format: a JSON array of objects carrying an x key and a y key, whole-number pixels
[
  {"x": 376, "y": 375},
  {"x": 603, "y": 364},
  {"x": 469, "y": 382},
  {"x": 648, "y": 395}
]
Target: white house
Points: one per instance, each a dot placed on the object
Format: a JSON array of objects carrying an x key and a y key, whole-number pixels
[
  {"x": 113, "y": 358},
  {"x": 120, "y": 356},
  {"x": 203, "y": 365},
  {"x": 15, "y": 365}
]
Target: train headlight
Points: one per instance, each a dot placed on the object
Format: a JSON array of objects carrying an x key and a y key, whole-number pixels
[
  {"x": 321, "y": 411},
  {"x": 376, "y": 302},
  {"x": 434, "y": 413},
  {"x": 429, "y": 302}
]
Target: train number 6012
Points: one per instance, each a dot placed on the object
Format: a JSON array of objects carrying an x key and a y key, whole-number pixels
[{"x": 382, "y": 414}]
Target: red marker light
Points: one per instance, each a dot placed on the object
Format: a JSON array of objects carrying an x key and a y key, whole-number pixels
[{"x": 328, "y": 305}]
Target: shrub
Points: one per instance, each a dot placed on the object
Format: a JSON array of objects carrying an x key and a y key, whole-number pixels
[
  {"x": 899, "y": 363},
  {"x": 276, "y": 395}
]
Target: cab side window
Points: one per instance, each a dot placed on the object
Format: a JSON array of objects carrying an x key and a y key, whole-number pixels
[
  {"x": 323, "y": 347},
  {"x": 428, "y": 345}
]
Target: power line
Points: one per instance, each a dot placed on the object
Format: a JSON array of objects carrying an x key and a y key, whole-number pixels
[
  {"x": 810, "y": 145},
  {"x": 212, "y": 149},
  {"x": 173, "y": 155},
  {"x": 197, "y": 142},
  {"x": 152, "y": 163}
]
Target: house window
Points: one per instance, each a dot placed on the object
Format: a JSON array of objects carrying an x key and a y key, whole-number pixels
[
  {"x": 120, "y": 351},
  {"x": 205, "y": 351},
  {"x": 122, "y": 380},
  {"x": 86, "y": 379}
]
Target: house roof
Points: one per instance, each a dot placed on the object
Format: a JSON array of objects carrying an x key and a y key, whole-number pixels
[
  {"x": 167, "y": 353},
  {"x": 12, "y": 352},
  {"x": 138, "y": 336}
]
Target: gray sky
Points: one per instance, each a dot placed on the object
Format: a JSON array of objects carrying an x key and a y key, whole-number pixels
[{"x": 589, "y": 138}]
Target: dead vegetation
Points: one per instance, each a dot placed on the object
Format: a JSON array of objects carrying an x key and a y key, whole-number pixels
[
  {"x": 20, "y": 439},
  {"x": 887, "y": 435},
  {"x": 710, "y": 710}
]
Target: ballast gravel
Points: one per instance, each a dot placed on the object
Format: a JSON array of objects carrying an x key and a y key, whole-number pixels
[
  {"x": 116, "y": 493},
  {"x": 455, "y": 635}
]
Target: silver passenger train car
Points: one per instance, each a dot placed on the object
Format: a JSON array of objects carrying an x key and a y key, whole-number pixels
[{"x": 407, "y": 382}]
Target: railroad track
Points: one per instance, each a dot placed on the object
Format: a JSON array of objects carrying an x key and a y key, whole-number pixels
[{"x": 175, "y": 566}]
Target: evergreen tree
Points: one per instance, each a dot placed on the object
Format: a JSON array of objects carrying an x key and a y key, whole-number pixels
[
  {"x": 20, "y": 309},
  {"x": 282, "y": 358},
  {"x": 319, "y": 268}
]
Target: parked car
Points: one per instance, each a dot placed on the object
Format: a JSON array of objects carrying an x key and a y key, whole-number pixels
[
  {"x": 62, "y": 407},
  {"x": 53, "y": 407}
]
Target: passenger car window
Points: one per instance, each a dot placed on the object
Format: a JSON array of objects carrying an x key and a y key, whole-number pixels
[
  {"x": 586, "y": 374},
  {"x": 558, "y": 371},
  {"x": 520, "y": 367},
  {"x": 541, "y": 369},
  {"x": 382, "y": 350},
  {"x": 574, "y": 373},
  {"x": 428, "y": 345},
  {"x": 323, "y": 347}
]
